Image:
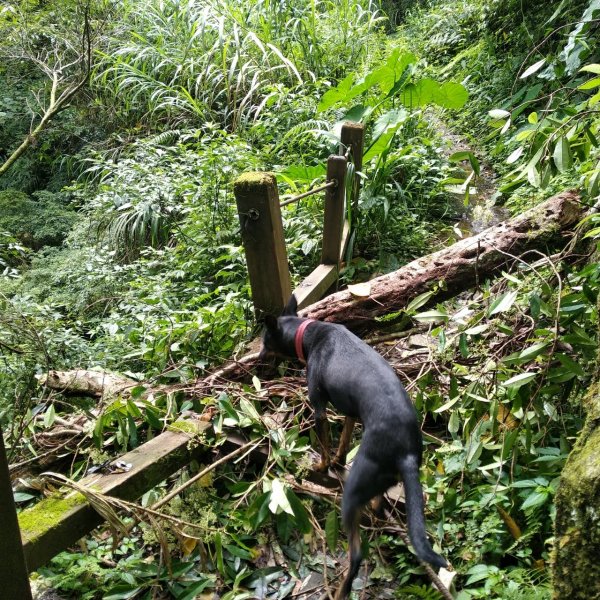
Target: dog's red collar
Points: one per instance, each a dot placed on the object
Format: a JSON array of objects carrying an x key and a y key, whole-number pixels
[{"x": 300, "y": 336}]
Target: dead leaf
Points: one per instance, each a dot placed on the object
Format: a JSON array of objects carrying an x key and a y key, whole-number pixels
[{"x": 360, "y": 290}]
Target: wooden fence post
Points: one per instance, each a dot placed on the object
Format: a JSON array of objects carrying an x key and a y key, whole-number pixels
[
  {"x": 13, "y": 570},
  {"x": 333, "y": 219},
  {"x": 353, "y": 136},
  {"x": 262, "y": 235}
]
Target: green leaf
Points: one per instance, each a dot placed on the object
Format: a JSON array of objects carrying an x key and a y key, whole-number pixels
[
  {"x": 300, "y": 513},
  {"x": 302, "y": 173},
  {"x": 515, "y": 155},
  {"x": 533, "y": 176},
  {"x": 590, "y": 84},
  {"x": 593, "y": 68},
  {"x": 332, "y": 530},
  {"x": 532, "y": 351},
  {"x": 122, "y": 592},
  {"x": 459, "y": 156},
  {"x": 49, "y": 416},
  {"x": 533, "y": 69},
  {"x": 454, "y": 423},
  {"x": 279, "y": 502},
  {"x": 22, "y": 497},
  {"x": 451, "y": 95},
  {"x": 478, "y": 329},
  {"x": 562, "y": 154},
  {"x": 498, "y": 114},
  {"x": 519, "y": 380},
  {"x": 420, "y": 93},
  {"x": 356, "y": 114},
  {"x": 535, "y": 499},
  {"x": 480, "y": 573},
  {"x": 530, "y": 483},
  {"x": 388, "y": 120},
  {"x": 432, "y": 316},
  {"x": 570, "y": 364},
  {"x": 594, "y": 100},
  {"x": 502, "y": 303},
  {"x": 447, "y": 405},
  {"x": 395, "y": 73},
  {"x": 466, "y": 155},
  {"x": 380, "y": 145},
  {"x": 419, "y": 301},
  {"x": 337, "y": 94},
  {"x": 463, "y": 346}
]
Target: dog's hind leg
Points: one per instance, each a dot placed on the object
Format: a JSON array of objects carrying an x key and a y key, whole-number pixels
[{"x": 364, "y": 482}]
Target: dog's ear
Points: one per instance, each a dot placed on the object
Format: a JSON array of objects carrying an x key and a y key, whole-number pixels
[
  {"x": 291, "y": 308},
  {"x": 271, "y": 322}
]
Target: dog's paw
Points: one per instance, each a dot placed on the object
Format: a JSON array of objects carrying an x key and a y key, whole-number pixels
[
  {"x": 339, "y": 460},
  {"x": 322, "y": 466}
]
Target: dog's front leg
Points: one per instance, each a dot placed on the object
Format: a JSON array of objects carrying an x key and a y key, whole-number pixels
[
  {"x": 318, "y": 399},
  {"x": 322, "y": 431}
]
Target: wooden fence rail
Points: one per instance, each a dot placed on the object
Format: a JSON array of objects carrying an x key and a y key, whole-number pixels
[{"x": 259, "y": 211}]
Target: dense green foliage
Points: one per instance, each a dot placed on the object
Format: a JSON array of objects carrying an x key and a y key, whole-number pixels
[
  {"x": 35, "y": 222},
  {"x": 120, "y": 249}
]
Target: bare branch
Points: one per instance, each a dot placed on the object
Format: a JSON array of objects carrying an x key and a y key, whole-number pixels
[{"x": 58, "y": 67}]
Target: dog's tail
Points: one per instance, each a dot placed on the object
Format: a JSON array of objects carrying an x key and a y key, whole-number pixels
[{"x": 409, "y": 470}]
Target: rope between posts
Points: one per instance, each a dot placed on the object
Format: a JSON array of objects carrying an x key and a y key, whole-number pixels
[{"x": 329, "y": 184}]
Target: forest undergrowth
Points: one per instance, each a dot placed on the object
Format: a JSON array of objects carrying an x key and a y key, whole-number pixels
[{"x": 120, "y": 250}]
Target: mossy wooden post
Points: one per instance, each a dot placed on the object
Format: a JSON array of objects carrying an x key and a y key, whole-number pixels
[
  {"x": 262, "y": 234},
  {"x": 353, "y": 136},
  {"x": 333, "y": 219},
  {"x": 13, "y": 570}
]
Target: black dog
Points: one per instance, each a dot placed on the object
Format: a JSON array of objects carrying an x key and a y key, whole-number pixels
[{"x": 343, "y": 370}]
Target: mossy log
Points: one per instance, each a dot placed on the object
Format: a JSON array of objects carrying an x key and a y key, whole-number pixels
[{"x": 576, "y": 564}]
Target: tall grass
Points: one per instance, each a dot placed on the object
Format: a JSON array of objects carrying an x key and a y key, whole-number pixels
[{"x": 192, "y": 61}]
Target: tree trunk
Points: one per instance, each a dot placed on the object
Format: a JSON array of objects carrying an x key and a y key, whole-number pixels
[
  {"x": 458, "y": 267},
  {"x": 576, "y": 568}
]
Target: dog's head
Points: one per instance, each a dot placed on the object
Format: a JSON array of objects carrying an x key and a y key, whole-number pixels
[{"x": 278, "y": 336}]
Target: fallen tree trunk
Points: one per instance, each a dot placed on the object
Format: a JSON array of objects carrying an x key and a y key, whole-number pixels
[
  {"x": 459, "y": 266},
  {"x": 98, "y": 384},
  {"x": 86, "y": 383}
]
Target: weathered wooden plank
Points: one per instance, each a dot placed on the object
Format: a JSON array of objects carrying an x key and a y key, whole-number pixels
[
  {"x": 57, "y": 522},
  {"x": 322, "y": 279},
  {"x": 353, "y": 137},
  {"x": 313, "y": 288},
  {"x": 13, "y": 570},
  {"x": 333, "y": 218},
  {"x": 262, "y": 235}
]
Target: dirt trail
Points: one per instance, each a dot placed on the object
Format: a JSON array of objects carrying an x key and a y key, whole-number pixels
[{"x": 481, "y": 211}]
